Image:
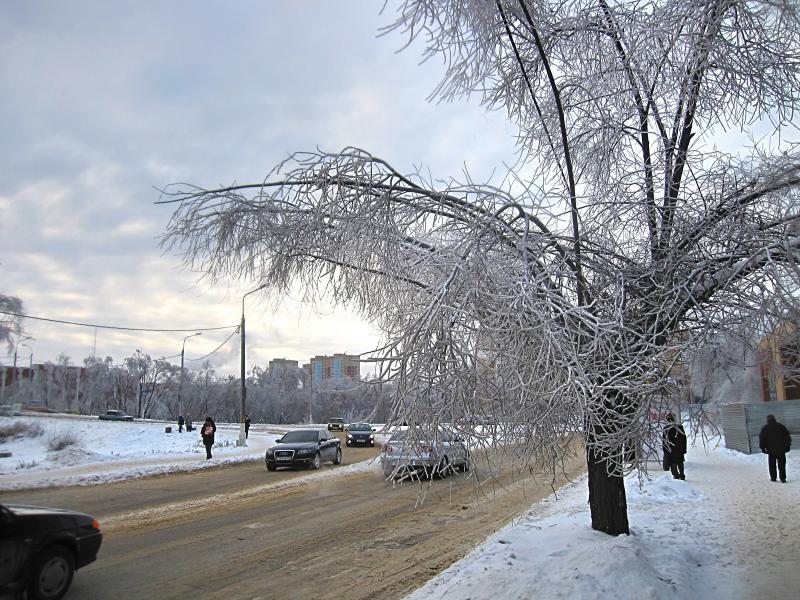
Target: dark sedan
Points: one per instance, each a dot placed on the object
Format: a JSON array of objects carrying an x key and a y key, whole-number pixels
[
  {"x": 360, "y": 434},
  {"x": 115, "y": 415},
  {"x": 41, "y": 548},
  {"x": 304, "y": 448}
]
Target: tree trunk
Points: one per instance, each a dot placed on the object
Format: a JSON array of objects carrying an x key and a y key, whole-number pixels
[{"x": 607, "y": 501}]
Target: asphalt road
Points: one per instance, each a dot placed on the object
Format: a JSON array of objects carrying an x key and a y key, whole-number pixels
[{"x": 242, "y": 532}]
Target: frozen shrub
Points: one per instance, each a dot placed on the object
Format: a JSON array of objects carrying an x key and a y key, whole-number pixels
[
  {"x": 62, "y": 439},
  {"x": 20, "y": 429},
  {"x": 27, "y": 464}
]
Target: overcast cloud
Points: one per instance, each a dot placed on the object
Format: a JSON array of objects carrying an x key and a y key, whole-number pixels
[{"x": 104, "y": 102}]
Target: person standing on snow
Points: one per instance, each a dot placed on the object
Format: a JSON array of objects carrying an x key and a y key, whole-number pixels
[
  {"x": 207, "y": 431},
  {"x": 180, "y": 424},
  {"x": 775, "y": 441},
  {"x": 674, "y": 446},
  {"x": 247, "y": 427}
]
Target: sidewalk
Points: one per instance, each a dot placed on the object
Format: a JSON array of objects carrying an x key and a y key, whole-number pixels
[{"x": 726, "y": 533}]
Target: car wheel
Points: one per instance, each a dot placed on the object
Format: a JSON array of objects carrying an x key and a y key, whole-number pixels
[
  {"x": 52, "y": 574},
  {"x": 316, "y": 462},
  {"x": 338, "y": 459},
  {"x": 271, "y": 467},
  {"x": 443, "y": 470}
]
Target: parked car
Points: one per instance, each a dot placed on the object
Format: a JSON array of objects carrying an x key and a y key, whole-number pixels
[
  {"x": 41, "y": 548},
  {"x": 115, "y": 415},
  {"x": 336, "y": 424},
  {"x": 436, "y": 453},
  {"x": 360, "y": 434},
  {"x": 11, "y": 410},
  {"x": 304, "y": 448}
]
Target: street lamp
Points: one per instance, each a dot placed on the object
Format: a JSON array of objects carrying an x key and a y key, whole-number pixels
[
  {"x": 16, "y": 347},
  {"x": 180, "y": 387},
  {"x": 242, "y": 441}
]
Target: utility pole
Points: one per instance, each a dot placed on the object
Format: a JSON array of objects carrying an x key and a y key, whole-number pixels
[
  {"x": 242, "y": 441},
  {"x": 180, "y": 386}
]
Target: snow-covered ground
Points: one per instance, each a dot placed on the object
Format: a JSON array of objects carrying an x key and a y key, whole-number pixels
[
  {"x": 110, "y": 451},
  {"x": 726, "y": 532}
]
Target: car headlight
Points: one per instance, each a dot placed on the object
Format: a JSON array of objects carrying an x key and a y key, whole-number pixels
[
  {"x": 372, "y": 437},
  {"x": 305, "y": 451},
  {"x": 350, "y": 436}
]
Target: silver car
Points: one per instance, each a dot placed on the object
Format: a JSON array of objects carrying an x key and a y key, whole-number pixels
[{"x": 430, "y": 455}]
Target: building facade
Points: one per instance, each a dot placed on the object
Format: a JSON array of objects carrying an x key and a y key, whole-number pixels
[{"x": 335, "y": 368}]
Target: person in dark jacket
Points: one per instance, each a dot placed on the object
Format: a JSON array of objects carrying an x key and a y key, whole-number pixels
[
  {"x": 247, "y": 427},
  {"x": 180, "y": 424},
  {"x": 674, "y": 446},
  {"x": 775, "y": 441},
  {"x": 208, "y": 430}
]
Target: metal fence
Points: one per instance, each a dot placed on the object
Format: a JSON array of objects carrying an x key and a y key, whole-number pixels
[{"x": 741, "y": 423}]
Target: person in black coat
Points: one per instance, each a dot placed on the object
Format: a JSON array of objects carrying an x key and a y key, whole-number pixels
[
  {"x": 208, "y": 430},
  {"x": 775, "y": 441},
  {"x": 247, "y": 427},
  {"x": 674, "y": 446},
  {"x": 180, "y": 424}
]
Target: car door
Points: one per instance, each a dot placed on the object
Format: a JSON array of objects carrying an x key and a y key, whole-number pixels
[{"x": 327, "y": 445}]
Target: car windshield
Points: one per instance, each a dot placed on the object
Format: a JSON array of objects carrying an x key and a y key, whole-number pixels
[
  {"x": 336, "y": 421},
  {"x": 300, "y": 436},
  {"x": 360, "y": 427}
]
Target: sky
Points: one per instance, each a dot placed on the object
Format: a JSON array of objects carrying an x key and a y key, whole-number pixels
[
  {"x": 725, "y": 532},
  {"x": 105, "y": 103}
]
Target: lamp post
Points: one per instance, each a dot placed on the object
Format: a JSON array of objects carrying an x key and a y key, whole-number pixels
[
  {"x": 16, "y": 347},
  {"x": 242, "y": 441},
  {"x": 180, "y": 387}
]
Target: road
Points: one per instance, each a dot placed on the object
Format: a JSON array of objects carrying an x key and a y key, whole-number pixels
[{"x": 242, "y": 532}]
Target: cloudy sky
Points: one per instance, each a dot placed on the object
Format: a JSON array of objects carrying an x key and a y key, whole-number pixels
[{"x": 103, "y": 103}]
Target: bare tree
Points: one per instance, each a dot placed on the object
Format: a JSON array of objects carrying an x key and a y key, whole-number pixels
[
  {"x": 10, "y": 324},
  {"x": 562, "y": 299}
]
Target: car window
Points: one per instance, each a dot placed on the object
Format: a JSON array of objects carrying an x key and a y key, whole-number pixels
[
  {"x": 300, "y": 437},
  {"x": 360, "y": 427}
]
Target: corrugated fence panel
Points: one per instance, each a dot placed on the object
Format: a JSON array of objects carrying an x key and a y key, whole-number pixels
[
  {"x": 734, "y": 427},
  {"x": 741, "y": 423}
]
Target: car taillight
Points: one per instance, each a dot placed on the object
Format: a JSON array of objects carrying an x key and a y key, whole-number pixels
[{"x": 96, "y": 524}]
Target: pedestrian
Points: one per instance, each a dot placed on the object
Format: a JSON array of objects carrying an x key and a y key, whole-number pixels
[
  {"x": 775, "y": 441},
  {"x": 180, "y": 424},
  {"x": 246, "y": 426},
  {"x": 674, "y": 446},
  {"x": 207, "y": 431},
  {"x": 188, "y": 423}
]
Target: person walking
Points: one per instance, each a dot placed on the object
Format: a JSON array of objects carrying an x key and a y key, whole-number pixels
[
  {"x": 775, "y": 441},
  {"x": 180, "y": 424},
  {"x": 207, "y": 431},
  {"x": 674, "y": 446},
  {"x": 247, "y": 427},
  {"x": 188, "y": 423}
]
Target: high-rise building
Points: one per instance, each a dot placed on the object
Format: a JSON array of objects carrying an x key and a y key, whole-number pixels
[
  {"x": 335, "y": 368},
  {"x": 279, "y": 366}
]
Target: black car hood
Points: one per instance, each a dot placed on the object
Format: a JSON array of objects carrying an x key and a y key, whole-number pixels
[
  {"x": 295, "y": 446},
  {"x": 40, "y": 512},
  {"x": 360, "y": 433}
]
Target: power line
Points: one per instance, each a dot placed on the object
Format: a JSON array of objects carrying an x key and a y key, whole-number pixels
[
  {"x": 217, "y": 348},
  {"x": 5, "y": 312}
]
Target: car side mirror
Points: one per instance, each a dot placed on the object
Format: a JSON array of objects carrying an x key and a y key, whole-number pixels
[{"x": 373, "y": 429}]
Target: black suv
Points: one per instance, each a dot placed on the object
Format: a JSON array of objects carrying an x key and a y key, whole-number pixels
[
  {"x": 304, "y": 448},
  {"x": 41, "y": 548}
]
